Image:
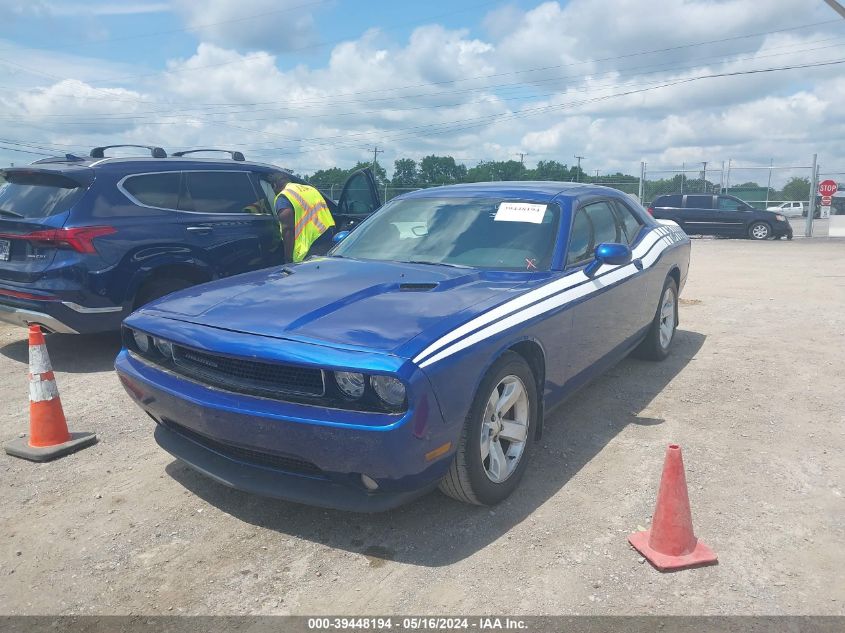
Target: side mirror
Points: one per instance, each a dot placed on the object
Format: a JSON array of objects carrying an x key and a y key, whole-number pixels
[
  {"x": 339, "y": 237},
  {"x": 609, "y": 253}
]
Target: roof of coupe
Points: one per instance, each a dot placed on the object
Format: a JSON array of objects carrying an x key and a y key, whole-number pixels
[{"x": 534, "y": 190}]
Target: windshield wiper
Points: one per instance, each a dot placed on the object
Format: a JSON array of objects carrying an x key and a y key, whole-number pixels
[
  {"x": 427, "y": 263},
  {"x": 13, "y": 214}
]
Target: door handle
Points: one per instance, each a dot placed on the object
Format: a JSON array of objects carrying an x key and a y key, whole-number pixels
[{"x": 200, "y": 229}]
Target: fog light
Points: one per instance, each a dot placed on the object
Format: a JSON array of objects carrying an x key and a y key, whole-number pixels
[
  {"x": 142, "y": 341},
  {"x": 165, "y": 347},
  {"x": 369, "y": 482}
]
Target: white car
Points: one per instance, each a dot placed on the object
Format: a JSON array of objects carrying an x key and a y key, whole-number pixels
[{"x": 789, "y": 209}]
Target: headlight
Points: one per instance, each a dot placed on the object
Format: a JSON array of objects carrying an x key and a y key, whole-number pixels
[
  {"x": 389, "y": 389},
  {"x": 351, "y": 383},
  {"x": 142, "y": 341},
  {"x": 781, "y": 218},
  {"x": 165, "y": 347}
]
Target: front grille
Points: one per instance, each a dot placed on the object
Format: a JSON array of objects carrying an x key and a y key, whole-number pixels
[
  {"x": 281, "y": 462},
  {"x": 270, "y": 380}
]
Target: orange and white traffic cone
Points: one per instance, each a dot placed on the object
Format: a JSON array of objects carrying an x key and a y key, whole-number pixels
[
  {"x": 671, "y": 544},
  {"x": 48, "y": 434}
]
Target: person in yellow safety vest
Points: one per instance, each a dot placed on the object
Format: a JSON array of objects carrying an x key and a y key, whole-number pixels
[{"x": 303, "y": 215}]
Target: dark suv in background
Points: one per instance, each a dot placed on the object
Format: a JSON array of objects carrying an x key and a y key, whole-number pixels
[
  {"x": 722, "y": 215},
  {"x": 84, "y": 241}
]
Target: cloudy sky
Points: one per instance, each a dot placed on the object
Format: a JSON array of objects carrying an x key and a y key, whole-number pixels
[{"x": 309, "y": 84}]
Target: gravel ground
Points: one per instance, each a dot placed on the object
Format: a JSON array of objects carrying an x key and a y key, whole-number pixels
[{"x": 753, "y": 392}]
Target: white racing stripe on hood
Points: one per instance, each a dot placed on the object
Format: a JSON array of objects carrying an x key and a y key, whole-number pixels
[
  {"x": 662, "y": 235},
  {"x": 527, "y": 299}
]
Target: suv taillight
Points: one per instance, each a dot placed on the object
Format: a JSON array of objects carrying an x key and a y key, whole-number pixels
[
  {"x": 650, "y": 211},
  {"x": 79, "y": 239}
]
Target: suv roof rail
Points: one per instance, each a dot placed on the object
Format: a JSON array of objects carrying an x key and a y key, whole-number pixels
[
  {"x": 155, "y": 152},
  {"x": 67, "y": 158},
  {"x": 238, "y": 156}
]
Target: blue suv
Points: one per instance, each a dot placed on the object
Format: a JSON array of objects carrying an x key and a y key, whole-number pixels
[{"x": 84, "y": 241}]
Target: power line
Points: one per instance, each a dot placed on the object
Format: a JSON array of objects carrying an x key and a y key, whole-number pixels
[
  {"x": 458, "y": 80},
  {"x": 662, "y": 68},
  {"x": 459, "y": 125}
]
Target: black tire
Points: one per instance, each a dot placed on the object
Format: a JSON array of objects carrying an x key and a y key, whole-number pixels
[
  {"x": 652, "y": 348},
  {"x": 158, "y": 288},
  {"x": 759, "y": 231},
  {"x": 467, "y": 479}
]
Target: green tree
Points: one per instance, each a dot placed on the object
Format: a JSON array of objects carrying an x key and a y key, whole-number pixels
[
  {"x": 405, "y": 173},
  {"x": 549, "y": 170},
  {"x": 796, "y": 189},
  {"x": 439, "y": 170}
]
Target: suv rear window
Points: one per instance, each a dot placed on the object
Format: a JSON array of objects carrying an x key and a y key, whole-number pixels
[
  {"x": 154, "y": 190},
  {"x": 35, "y": 195},
  {"x": 218, "y": 192}
]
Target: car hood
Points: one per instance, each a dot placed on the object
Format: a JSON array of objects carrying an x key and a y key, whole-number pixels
[{"x": 375, "y": 306}]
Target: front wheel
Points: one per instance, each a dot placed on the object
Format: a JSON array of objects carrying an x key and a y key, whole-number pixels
[
  {"x": 661, "y": 334},
  {"x": 759, "y": 231},
  {"x": 492, "y": 450}
]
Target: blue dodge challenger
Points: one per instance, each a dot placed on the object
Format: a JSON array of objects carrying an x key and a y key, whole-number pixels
[{"x": 422, "y": 351}]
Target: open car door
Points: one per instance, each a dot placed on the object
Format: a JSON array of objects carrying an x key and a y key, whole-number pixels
[{"x": 358, "y": 200}]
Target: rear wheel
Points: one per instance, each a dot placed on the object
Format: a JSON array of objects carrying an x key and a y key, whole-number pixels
[
  {"x": 759, "y": 231},
  {"x": 661, "y": 334},
  {"x": 492, "y": 450},
  {"x": 158, "y": 288}
]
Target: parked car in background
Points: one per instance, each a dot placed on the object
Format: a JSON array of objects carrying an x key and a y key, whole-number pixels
[
  {"x": 84, "y": 241},
  {"x": 789, "y": 209},
  {"x": 722, "y": 215},
  {"x": 422, "y": 351}
]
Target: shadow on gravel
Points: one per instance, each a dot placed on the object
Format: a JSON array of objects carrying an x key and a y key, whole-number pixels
[
  {"x": 436, "y": 530},
  {"x": 73, "y": 353}
]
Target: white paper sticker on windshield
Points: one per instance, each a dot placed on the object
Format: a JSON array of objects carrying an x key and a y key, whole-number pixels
[{"x": 520, "y": 212}]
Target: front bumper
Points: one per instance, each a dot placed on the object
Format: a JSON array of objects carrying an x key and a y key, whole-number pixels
[{"x": 299, "y": 453}]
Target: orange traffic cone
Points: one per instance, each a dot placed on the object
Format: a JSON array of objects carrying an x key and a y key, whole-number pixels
[
  {"x": 48, "y": 434},
  {"x": 671, "y": 544}
]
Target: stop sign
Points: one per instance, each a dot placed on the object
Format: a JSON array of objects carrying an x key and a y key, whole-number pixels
[{"x": 828, "y": 187}]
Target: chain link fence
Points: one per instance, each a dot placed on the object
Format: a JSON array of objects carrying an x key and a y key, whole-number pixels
[{"x": 788, "y": 189}]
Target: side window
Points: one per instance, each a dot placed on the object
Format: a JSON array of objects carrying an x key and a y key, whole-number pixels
[
  {"x": 630, "y": 223},
  {"x": 218, "y": 192},
  {"x": 154, "y": 190},
  {"x": 605, "y": 225},
  {"x": 580, "y": 239},
  {"x": 269, "y": 194},
  {"x": 699, "y": 202},
  {"x": 728, "y": 204}
]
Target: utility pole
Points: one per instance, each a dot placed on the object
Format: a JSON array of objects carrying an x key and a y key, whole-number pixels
[
  {"x": 814, "y": 187},
  {"x": 683, "y": 175},
  {"x": 728, "y": 178},
  {"x": 769, "y": 185},
  {"x": 578, "y": 172},
  {"x": 376, "y": 152},
  {"x": 704, "y": 176},
  {"x": 522, "y": 156}
]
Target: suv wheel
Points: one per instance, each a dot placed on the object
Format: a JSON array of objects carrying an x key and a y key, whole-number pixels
[{"x": 759, "y": 231}]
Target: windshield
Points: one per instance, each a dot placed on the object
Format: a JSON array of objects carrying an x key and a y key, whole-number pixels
[
  {"x": 34, "y": 195},
  {"x": 480, "y": 233}
]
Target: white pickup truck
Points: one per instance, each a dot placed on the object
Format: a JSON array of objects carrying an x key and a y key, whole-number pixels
[{"x": 789, "y": 209}]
